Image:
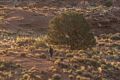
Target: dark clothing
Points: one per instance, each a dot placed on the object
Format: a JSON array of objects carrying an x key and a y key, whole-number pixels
[{"x": 51, "y": 52}]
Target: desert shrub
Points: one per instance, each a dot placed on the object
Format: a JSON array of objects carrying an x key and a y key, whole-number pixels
[
  {"x": 78, "y": 77},
  {"x": 90, "y": 62},
  {"x": 25, "y": 77},
  {"x": 74, "y": 60},
  {"x": 31, "y": 48},
  {"x": 24, "y": 41},
  {"x": 8, "y": 70},
  {"x": 54, "y": 70},
  {"x": 81, "y": 78},
  {"x": 108, "y": 3},
  {"x": 30, "y": 75},
  {"x": 56, "y": 77},
  {"x": 71, "y": 77},
  {"x": 1, "y": 6},
  {"x": 8, "y": 65},
  {"x": 40, "y": 42},
  {"x": 23, "y": 54},
  {"x": 116, "y": 36},
  {"x": 33, "y": 42},
  {"x": 68, "y": 55},
  {"x": 61, "y": 64},
  {"x": 43, "y": 56},
  {"x": 117, "y": 46},
  {"x": 79, "y": 72},
  {"x": 70, "y": 28}
]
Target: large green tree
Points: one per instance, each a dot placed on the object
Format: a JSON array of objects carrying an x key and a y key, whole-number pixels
[{"x": 70, "y": 28}]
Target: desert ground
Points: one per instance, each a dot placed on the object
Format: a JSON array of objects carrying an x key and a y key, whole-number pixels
[{"x": 24, "y": 53}]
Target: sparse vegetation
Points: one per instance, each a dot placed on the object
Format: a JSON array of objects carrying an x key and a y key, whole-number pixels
[
  {"x": 43, "y": 55},
  {"x": 56, "y": 77},
  {"x": 108, "y": 3},
  {"x": 24, "y": 42},
  {"x": 116, "y": 36}
]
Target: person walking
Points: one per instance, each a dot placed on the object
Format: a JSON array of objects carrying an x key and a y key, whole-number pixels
[{"x": 51, "y": 51}]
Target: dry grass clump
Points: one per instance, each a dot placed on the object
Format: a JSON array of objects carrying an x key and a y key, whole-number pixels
[
  {"x": 4, "y": 65},
  {"x": 23, "y": 55},
  {"x": 31, "y": 42},
  {"x": 108, "y": 3},
  {"x": 31, "y": 74},
  {"x": 81, "y": 78},
  {"x": 24, "y": 41},
  {"x": 41, "y": 42},
  {"x": 8, "y": 70},
  {"x": 56, "y": 77},
  {"x": 115, "y": 36},
  {"x": 42, "y": 55},
  {"x": 71, "y": 77}
]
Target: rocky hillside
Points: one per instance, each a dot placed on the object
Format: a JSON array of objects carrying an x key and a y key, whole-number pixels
[{"x": 105, "y": 20}]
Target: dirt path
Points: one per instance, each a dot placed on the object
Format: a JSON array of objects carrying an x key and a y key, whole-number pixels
[
  {"x": 24, "y": 20},
  {"x": 28, "y": 63}
]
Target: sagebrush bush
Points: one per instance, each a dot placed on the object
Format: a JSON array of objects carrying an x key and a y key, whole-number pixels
[
  {"x": 56, "y": 77},
  {"x": 24, "y": 41},
  {"x": 43, "y": 56},
  {"x": 5, "y": 65},
  {"x": 81, "y": 78},
  {"x": 71, "y": 77},
  {"x": 23, "y": 55},
  {"x": 115, "y": 36},
  {"x": 40, "y": 42},
  {"x": 108, "y": 3},
  {"x": 70, "y": 28}
]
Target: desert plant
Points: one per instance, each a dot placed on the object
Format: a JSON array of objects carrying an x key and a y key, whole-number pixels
[
  {"x": 115, "y": 36},
  {"x": 68, "y": 55},
  {"x": 81, "y": 78},
  {"x": 5, "y": 65},
  {"x": 23, "y": 55},
  {"x": 24, "y": 41},
  {"x": 71, "y": 77},
  {"x": 40, "y": 42},
  {"x": 56, "y": 77},
  {"x": 108, "y": 3},
  {"x": 70, "y": 28},
  {"x": 43, "y": 56}
]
